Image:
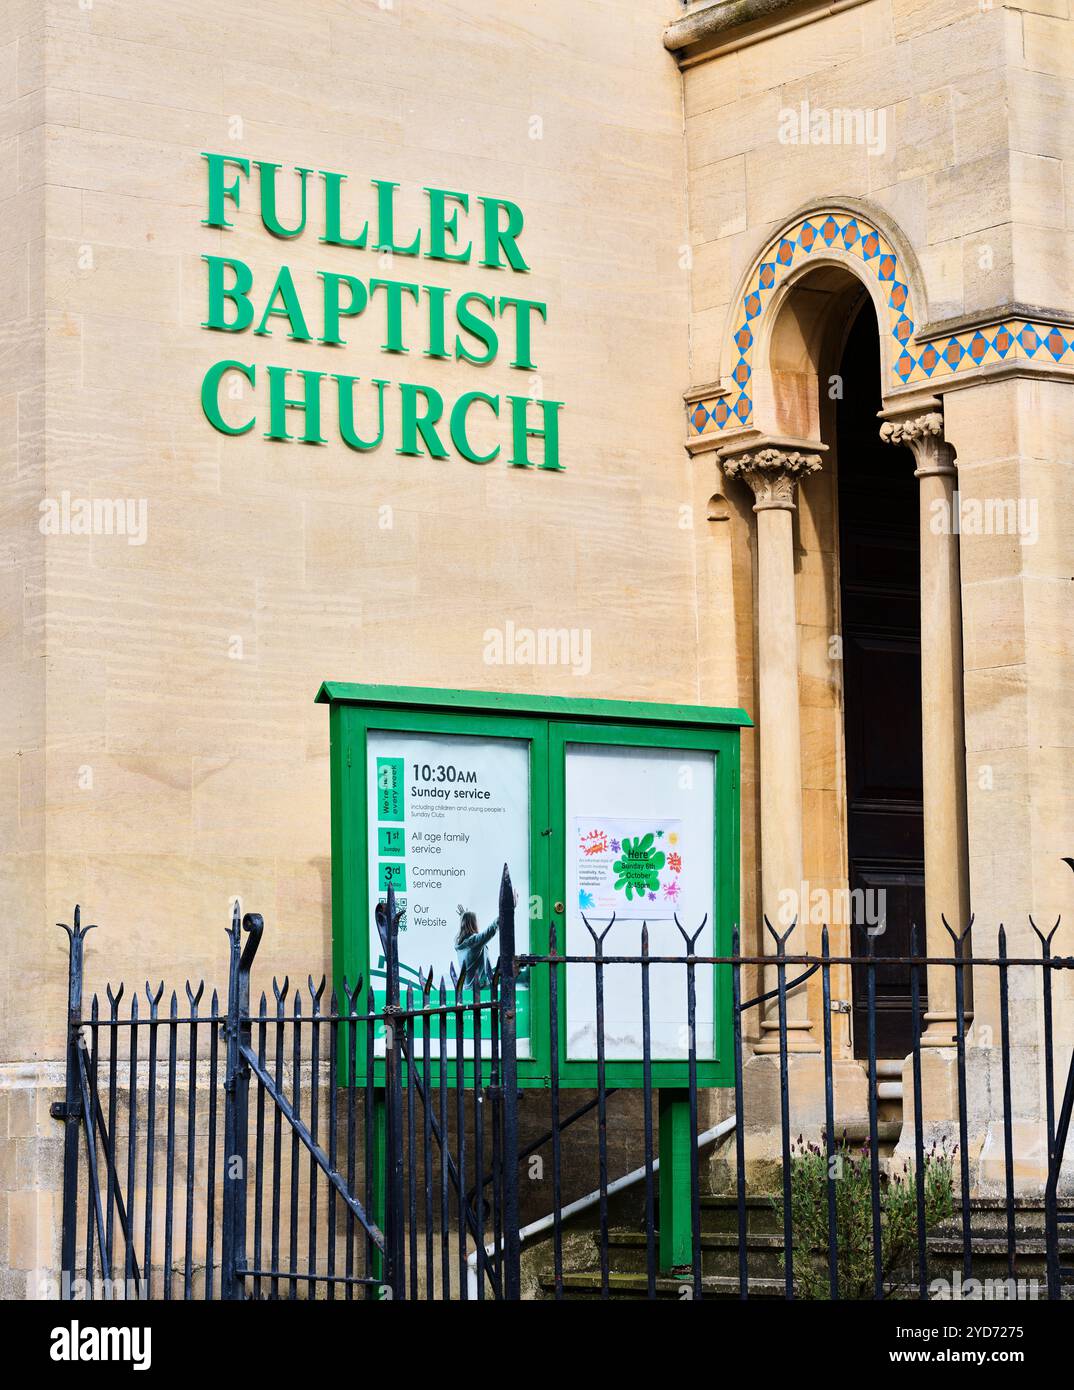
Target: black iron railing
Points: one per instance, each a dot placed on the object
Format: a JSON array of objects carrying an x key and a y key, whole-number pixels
[{"x": 328, "y": 1147}]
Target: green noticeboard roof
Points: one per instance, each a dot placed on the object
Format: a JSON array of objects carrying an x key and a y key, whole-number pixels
[{"x": 491, "y": 701}]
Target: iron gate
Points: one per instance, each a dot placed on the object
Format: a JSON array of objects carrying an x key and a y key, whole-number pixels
[{"x": 300, "y": 1176}]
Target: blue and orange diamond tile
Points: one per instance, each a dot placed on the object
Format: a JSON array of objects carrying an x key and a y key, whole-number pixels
[
  {"x": 829, "y": 230},
  {"x": 850, "y": 233},
  {"x": 978, "y": 347},
  {"x": 928, "y": 360},
  {"x": 1029, "y": 339},
  {"x": 721, "y": 414},
  {"x": 904, "y": 365},
  {"x": 1056, "y": 343},
  {"x": 753, "y": 304},
  {"x": 807, "y": 236},
  {"x": 768, "y": 276},
  {"x": 744, "y": 338},
  {"x": 870, "y": 245},
  {"x": 897, "y": 299},
  {"x": 1003, "y": 341},
  {"x": 785, "y": 254},
  {"x": 886, "y": 267},
  {"x": 700, "y": 418},
  {"x": 741, "y": 373},
  {"x": 742, "y": 407},
  {"x": 903, "y": 329},
  {"x": 953, "y": 353}
]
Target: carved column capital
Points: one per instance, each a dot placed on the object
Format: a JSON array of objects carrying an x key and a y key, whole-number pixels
[
  {"x": 923, "y": 433},
  {"x": 771, "y": 472}
]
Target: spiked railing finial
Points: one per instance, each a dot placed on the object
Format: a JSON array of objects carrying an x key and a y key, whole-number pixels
[{"x": 78, "y": 931}]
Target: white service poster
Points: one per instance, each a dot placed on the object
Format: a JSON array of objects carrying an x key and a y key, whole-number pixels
[
  {"x": 640, "y": 840},
  {"x": 445, "y": 813}
]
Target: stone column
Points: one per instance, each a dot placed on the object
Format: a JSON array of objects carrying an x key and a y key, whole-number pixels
[
  {"x": 943, "y": 730},
  {"x": 771, "y": 469}
]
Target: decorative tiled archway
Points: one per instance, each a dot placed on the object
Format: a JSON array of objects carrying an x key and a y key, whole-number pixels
[{"x": 856, "y": 239}]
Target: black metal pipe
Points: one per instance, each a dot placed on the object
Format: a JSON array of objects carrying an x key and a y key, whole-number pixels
[
  {"x": 553, "y": 1101},
  {"x": 740, "y": 1122},
  {"x": 1008, "y": 1137},
  {"x": 829, "y": 1118},
  {"x": 647, "y": 1119},
  {"x": 919, "y": 1124},
  {"x": 874, "y": 1137},
  {"x": 509, "y": 1068}
]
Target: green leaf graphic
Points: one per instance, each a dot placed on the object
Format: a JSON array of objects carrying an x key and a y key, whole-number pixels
[{"x": 638, "y": 868}]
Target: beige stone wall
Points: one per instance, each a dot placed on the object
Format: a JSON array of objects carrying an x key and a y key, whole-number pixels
[
  {"x": 26, "y": 207},
  {"x": 29, "y": 1141},
  {"x": 165, "y": 775},
  {"x": 943, "y": 74},
  {"x": 1014, "y": 439}
]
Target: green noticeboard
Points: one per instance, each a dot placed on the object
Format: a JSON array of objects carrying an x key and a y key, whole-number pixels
[{"x": 596, "y": 806}]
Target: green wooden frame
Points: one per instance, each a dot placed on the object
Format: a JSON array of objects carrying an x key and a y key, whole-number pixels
[{"x": 548, "y": 723}]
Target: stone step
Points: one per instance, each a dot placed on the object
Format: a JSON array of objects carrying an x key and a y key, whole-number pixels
[
  {"x": 586, "y": 1284},
  {"x": 720, "y": 1214},
  {"x": 764, "y": 1246},
  {"x": 719, "y": 1255},
  {"x": 988, "y": 1216},
  {"x": 888, "y": 1133},
  {"x": 889, "y": 1082}
]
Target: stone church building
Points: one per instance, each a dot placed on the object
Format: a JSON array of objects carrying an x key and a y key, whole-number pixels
[{"x": 804, "y": 357}]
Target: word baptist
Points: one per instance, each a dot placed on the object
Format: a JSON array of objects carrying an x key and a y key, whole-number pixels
[{"x": 333, "y": 308}]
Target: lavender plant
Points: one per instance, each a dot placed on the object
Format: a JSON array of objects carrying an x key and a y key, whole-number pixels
[{"x": 851, "y": 1174}]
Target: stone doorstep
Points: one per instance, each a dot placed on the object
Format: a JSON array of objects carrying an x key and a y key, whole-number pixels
[
  {"x": 944, "y": 1243},
  {"x": 719, "y": 1286},
  {"x": 588, "y": 1285},
  {"x": 710, "y": 1240},
  {"x": 985, "y": 1209},
  {"x": 717, "y": 1200},
  {"x": 765, "y": 1277}
]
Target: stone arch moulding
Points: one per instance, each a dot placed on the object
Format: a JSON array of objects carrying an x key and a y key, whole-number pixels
[{"x": 851, "y": 234}]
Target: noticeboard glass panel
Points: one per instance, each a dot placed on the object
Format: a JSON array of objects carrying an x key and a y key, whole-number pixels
[
  {"x": 444, "y": 813},
  {"x": 640, "y": 839}
]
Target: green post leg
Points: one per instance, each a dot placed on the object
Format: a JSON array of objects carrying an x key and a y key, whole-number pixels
[
  {"x": 676, "y": 1245},
  {"x": 376, "y": 1098}
]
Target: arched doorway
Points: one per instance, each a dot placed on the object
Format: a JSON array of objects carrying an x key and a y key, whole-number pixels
[
  {"x": 880, "y": 606},
  {"x": 830, "y": 295}
]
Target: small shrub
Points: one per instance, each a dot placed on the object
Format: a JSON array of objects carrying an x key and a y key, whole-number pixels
[{"x": 851, "y": 1170}]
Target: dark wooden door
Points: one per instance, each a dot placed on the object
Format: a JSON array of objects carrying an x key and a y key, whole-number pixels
[{"x": 879, "y": 567}]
